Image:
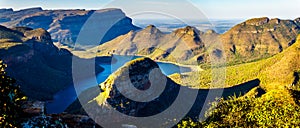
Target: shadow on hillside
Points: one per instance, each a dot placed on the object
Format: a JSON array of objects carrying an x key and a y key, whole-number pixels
[
  {"x": 296, "y": 96},
  {"x": 169, "y": 97},
  {"x": 206, "y": 96}
]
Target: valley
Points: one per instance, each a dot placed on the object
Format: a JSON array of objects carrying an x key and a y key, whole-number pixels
[{"x": 175, "y": 69}]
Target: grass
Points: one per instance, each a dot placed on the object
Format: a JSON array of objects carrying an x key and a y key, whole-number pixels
[{"x": 276, "y": 108}]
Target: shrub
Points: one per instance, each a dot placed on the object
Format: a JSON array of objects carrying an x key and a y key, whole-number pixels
[
  {"x": 274, "y": 109},
  {"x": 11, "y": 98}
]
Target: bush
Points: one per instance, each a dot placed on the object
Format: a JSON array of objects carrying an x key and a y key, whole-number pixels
[
  {"x": 276, "y": 108},
  {"x": 11, "y": 98}
]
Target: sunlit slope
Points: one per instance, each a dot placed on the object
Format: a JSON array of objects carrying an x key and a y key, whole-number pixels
[{"x": 274, "y": 73}]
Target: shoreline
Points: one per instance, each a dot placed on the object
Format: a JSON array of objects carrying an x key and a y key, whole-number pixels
[
  {"x": 87, "y": 55},
  {"x": 192, "y": 67}
]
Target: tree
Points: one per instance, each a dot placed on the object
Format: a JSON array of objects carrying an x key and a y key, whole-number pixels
[{"x": 11, "y": 98}]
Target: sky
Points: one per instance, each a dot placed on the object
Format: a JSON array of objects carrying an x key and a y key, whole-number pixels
[{"x": 212, "y": 9}]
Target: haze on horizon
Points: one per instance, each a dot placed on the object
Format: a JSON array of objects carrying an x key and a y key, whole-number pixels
[{"x": 213, "y": 9}]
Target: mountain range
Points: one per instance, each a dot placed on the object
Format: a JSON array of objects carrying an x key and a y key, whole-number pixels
[
  {"x": 65, "y": 25},
  {"x": 262, "y": 56},
  {"x": 248, "y": 41}
]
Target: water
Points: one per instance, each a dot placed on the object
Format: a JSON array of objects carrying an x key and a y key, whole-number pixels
[{"x": 64, "y": 98}]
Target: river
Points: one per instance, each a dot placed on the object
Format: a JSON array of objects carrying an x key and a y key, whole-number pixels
[{"x": 64, "y": 98}]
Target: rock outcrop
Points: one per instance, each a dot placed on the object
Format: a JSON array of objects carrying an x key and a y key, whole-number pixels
[
  {"x": 65, "y": 25},
  {"x": 259, "y": 38}
]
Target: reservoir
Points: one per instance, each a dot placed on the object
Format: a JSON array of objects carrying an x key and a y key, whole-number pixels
[{"x": 64, "y": 98}]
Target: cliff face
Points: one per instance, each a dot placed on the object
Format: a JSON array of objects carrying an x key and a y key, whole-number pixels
[
  {"x": 40, "y": 68},
  {"x": 259, "y": 37},
  {"x": 65, "y": 25}
]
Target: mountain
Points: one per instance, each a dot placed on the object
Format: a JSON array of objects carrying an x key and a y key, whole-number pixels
[
  {"x": 139, "y": 89},
  {"x": 40, "y": 68},
  {"x": 279, "y": 76},
  {"x": 277, "y": 72},
  {"x": 176, "y": 46},
  {"x": 259, "y": 37},
  {"x": 65, "y": 25},
  {"x": 248, "y": 41}
]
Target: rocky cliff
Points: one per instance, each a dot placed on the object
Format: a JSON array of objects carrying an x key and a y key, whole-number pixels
[
  {"x": 40, "y": 68},
  {"x": 253, "y": 39},
  {"x": 259, "y": 37},
  {"x": 65, "y": 25}
]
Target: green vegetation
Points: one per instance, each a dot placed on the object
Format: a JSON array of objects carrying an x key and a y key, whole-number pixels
[
  {"x": 11, "y": 98},
  {"x": 278, "y": 107},
  {"x": 270, "y": 71},
  {"x": 273, "y": 109}
]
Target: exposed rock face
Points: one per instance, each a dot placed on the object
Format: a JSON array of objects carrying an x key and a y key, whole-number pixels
[
  {"x": 258, "y": 38},
  {"x": 65, "y": 25},
  {"x": 40, "y": 68},
  {"x": 188, "y": 33},
  {"x": 257, "y": 21}
]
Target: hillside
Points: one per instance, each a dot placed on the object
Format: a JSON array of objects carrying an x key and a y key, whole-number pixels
[
  {"x": 277, "y": 72},
  {"x": 259, "y": 38},
  {"x": 277, "y": 107},
  {"x": 251, "y": 40},
  {"x": 40, "y": 68},
  {"x": 65, "y": 25},
  {"x": 182, "y": 45},
  {"x": 139, "y": 89}
]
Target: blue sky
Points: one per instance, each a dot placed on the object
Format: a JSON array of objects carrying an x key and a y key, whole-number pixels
[{"x": 213, "y": 9}]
